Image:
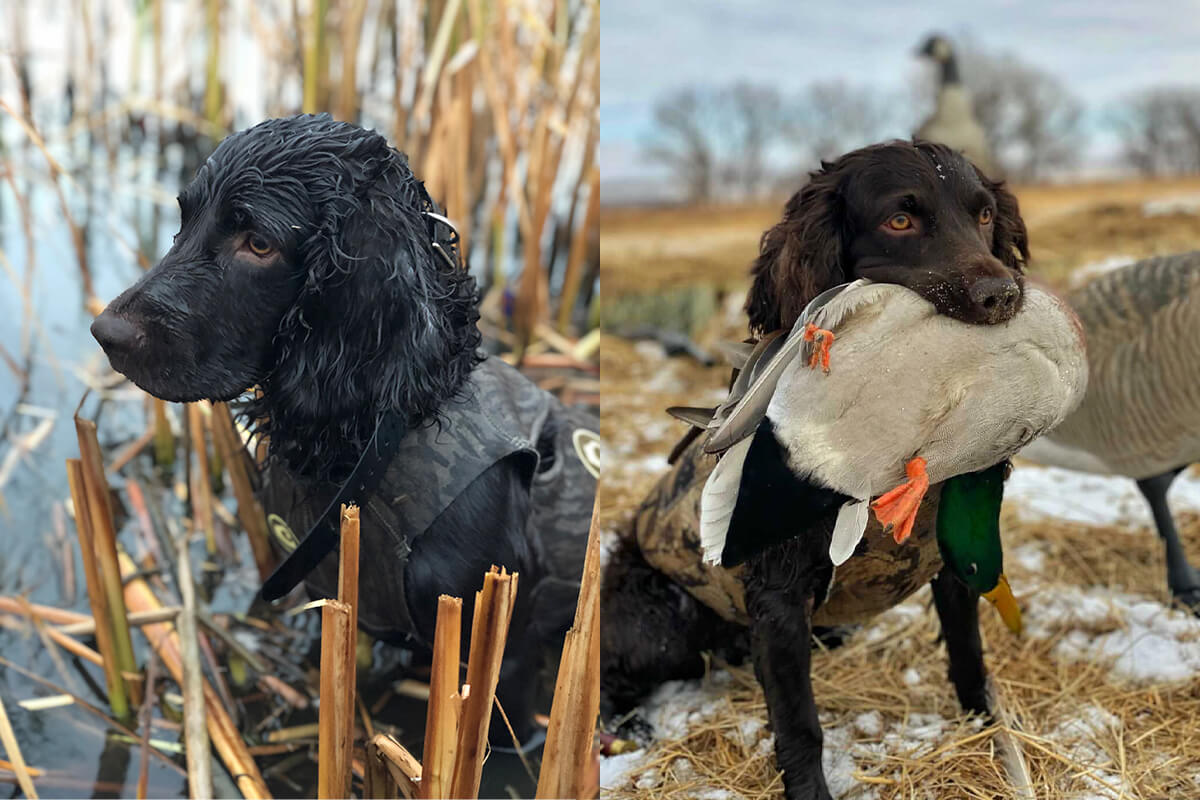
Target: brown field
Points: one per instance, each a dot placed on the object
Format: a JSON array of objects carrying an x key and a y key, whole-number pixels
[{"x": 652, "y": 258}]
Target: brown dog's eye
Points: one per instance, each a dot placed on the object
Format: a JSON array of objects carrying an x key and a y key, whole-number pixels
[
  {"x": 900, "y": 222},
  {"x": 985, "y": 215},
  {"x": 259, "y": 246}
]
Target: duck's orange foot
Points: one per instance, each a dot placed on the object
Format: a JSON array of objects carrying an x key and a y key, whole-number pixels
[
  {"x": 897, "y": 510},
  {"x": 823, "y": 340}
]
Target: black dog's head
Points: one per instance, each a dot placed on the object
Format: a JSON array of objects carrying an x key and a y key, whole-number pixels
[
  {"x": 913, "y": 213},
  {"x": 305, "y": 264}
]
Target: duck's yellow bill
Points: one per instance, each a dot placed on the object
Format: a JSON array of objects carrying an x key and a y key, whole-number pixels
[{"x": 1002, "y": 598}]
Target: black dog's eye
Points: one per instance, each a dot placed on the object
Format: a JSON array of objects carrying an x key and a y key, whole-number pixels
[
  {"x": 259, "y": 246},
  {"x": 985, "y": 215},
  {"x": 899, "y": 222}
]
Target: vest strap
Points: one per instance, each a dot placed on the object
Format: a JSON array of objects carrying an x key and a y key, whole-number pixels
[{"x": 325, "y": 533}]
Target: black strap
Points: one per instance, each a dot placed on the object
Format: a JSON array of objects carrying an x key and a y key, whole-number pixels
[{"x": 325, "y": 532}]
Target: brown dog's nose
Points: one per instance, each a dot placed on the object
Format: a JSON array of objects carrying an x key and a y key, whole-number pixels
[
  {"x": 995, "y": 298},
  {"x": 114, "y": 334}
]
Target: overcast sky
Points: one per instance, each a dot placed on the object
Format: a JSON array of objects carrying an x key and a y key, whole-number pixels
[{"x": 1099, "y": 50}]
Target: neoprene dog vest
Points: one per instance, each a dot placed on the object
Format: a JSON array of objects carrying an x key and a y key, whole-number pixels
[{"x": 498, "y": 414}]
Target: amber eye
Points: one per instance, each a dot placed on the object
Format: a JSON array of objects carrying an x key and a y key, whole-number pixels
[
  {"x": 259, "y": 246},
  {"x": 900, "y": 222},
  {"x": 985, "y": 216}
]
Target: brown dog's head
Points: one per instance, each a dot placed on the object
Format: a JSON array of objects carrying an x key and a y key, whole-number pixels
[{"x": 913, "y": 213}]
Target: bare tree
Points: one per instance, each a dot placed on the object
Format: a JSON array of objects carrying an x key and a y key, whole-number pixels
[
  {"x": 717, "y": 140},
  {"x": 753, "y": 123},
  {"x": 684, "y": 139},
  {"x": 832, "y": 117},
  {"x": 1160, "y": 131}
]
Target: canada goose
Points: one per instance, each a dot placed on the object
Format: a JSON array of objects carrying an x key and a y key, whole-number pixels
[
  {"x": 1140, "y": 416},
  {"x": 842, "y": 434},
  {"x": 953, "y": 121}
]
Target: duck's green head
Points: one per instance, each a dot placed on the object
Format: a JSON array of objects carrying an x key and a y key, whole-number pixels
[{"x": 968, "y": 534}]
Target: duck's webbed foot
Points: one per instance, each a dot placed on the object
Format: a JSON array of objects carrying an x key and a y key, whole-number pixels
[
  {"x": 823, "y": 340},
  {"x": 897, "y": 510}
]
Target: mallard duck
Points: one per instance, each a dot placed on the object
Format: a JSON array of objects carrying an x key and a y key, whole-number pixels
[
  {"x": 968, "y": 536},
  {"x": 872, "y": 393}
]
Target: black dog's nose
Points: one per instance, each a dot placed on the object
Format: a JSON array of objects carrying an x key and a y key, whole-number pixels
[
  {"x": 995, "y": 298},
  {"x": 113, "y": 333}
]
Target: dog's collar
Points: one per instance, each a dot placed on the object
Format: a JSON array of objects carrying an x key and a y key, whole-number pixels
[
  {"x": 325, "y": 532},
  {"x": 453, "y": 238}
]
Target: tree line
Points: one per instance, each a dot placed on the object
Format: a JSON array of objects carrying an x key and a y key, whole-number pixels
[{"x": 719, "y": 141}]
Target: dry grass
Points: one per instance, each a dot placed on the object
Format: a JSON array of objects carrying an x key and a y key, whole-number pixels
[{"x": 1150, "y": 745}]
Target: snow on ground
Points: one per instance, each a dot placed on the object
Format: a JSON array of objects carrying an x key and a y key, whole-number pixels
[
  {"x": 1180, "y": 204},
  {"x": 1050, "y": 492},
  {"x": 1145, "y": 641}
]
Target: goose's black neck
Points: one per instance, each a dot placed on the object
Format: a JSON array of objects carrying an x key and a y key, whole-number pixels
[{"x": 950, "y": 76}]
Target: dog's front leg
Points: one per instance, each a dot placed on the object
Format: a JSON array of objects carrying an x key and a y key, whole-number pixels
[
  {"x": 958, "y": 609},
  {"x": 780, "y": 604}
]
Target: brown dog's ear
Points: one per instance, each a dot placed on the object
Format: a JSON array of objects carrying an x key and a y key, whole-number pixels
[
  {"x": 1010, "y": 241},
  {"x": 798, "y": 258}
]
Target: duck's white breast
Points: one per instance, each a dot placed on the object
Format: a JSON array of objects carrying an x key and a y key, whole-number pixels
[{"x": 906, "y": 381}]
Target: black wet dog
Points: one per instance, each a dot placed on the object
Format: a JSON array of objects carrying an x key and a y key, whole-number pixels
[
  {"x": 312, "y": 264},
  {"x": 915, "y": 214}
]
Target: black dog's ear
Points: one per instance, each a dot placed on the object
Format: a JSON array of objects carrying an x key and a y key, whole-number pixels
[
  {"x": 385, "y": 321},
  {"x": 800, "y": 257},
  {"x": 1010, "y": 241}
]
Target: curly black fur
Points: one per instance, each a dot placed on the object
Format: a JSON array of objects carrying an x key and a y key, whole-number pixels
[{"x": 353, "y": 315}]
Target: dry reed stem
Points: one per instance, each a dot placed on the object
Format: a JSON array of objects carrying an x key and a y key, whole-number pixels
[
  {"x": 104, "y": 545},
  {"x": 378, "y": 783},
  {"x": 489, "y": 631},
  {"x": 117, "y": 694},
  {"x": 199, "y": 758},
  {"x": 579, "y": 243},
  {"x": 404, "y": 770},
  {"x": 239, "y": 465},
  {"x": 87, "y": 625},
  {"x": 164, "y": 440},
  {"x": 445, "y": 701},
  {"x": 51, "y": 614},
  {"x": 224, "y": 735},
  {"x": 13, "y": 750},
  {"x": 202, "y": 497},
  {"x": 567, "y": 761},
  {"x": 336, "y": 714}
]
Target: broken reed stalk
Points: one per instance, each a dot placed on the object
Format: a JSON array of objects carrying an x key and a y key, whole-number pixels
[
  {"x": 13, "y": 750},
  {"x": 202, "y": 499},
  {"x": 339, "y": 632},
  {"x": 199, "y": 760},
  {"x": 118, "y": 697},
  {"x": 378, "y": 782},
  {"x": 224, "y": 735},
  {"x": 240, "y": 466},
  {"x": 568, "y": 760},
  {"x": 445, "y": 701},
  {"x": 104, "y": 546},
  {"x": 336, "y": 714},
  {"x": 403, "y": 769},
  {"x": 489, "y": 631}
]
